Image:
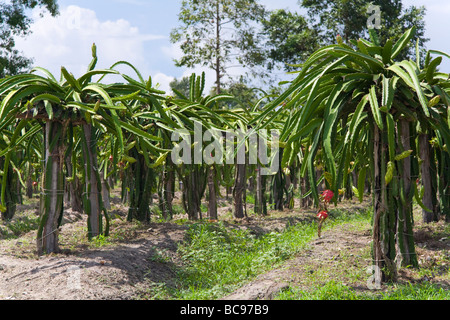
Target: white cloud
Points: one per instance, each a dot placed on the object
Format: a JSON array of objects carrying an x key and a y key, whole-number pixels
[
  {"x": 66, "y": 40},
  {"x": 172, "y": 51},
  {"x": 163, "y": 81},
  {"x": 281, "y": 4}
]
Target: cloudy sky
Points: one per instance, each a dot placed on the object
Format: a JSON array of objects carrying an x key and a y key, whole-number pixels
[{"x": 138, "y": 31}]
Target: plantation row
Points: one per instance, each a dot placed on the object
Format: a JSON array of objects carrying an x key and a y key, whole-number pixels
[{"x": 353, "y": 121}]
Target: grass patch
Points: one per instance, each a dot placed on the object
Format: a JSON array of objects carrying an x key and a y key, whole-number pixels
[
  {"x": 18, "y": 227},
  {"x": 120, "y": 231},
  {"x": 330, "y": 291},
  {"x": 250, "y": 198},
  {"x": 219, "y": 258},
  {"x": 417, "y": 291},
  {"x": 337, "y": 291}
]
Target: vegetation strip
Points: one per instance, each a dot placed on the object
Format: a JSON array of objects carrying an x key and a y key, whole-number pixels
[{"x": 221, "y": 257}]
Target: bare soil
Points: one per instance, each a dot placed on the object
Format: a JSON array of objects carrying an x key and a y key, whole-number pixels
[{"x": 144, "y": 256}]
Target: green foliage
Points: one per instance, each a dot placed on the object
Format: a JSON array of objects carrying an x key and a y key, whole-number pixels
[
  {"x": 346, "y": 96},
  {"x": 329, "y": 291},
  {"x": 244, "y": 97},
  {"x": 219, "y": 257},
  {"x": 349, "y": 20},
  {"x": 250, "y": 198},
  {"x": 181, "y": 86},
  {"x": 420, "y": 291},
  {"x": 359, "y": 98},
  {"x": 290, "y": 39},
  {"x": 104, "y": 111},
  {"x": 293, "y": 37},
  {"x": 334, "y": 290},
  {"x": 18, "y": 227},
  {"x": 15, "y": 22},
  {"x": 100, "y": 241}
]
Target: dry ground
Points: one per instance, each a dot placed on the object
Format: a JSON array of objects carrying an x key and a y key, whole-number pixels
[{"x": 141, "y": 257}]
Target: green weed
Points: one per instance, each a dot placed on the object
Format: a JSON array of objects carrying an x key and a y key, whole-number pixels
[
  {"x": 100, "y": 241},
  {"x": 18, "y": 227},
  {"x": 417, "y": 291},
  {"x": 337, "y": 291},
  {"x": 219, "y": 257}
]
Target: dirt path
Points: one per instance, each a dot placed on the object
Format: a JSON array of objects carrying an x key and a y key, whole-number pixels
[
  {"x": 116, "y": 272},
  {"x": 147, "y": 258},
  {"x": 321, "y": 251},
  {"x": 122, "y": 271}
]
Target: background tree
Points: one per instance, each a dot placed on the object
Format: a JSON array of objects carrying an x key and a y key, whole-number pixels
[
  {"x": 244, "y": 96},
  {"x": 349, "y": 20},
  {"x": 15, "y": 22},
  {"x": 291, "y": 37},
  {"x": 181, "y": 86},
  {"x": 219, "y": 34}
]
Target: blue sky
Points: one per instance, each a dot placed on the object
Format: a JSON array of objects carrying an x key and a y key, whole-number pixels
[{"x": 138, "y": 31}]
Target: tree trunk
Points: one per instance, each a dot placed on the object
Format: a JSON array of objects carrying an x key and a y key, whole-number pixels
[
  {"x": 278, "y": 185},
  {"x": 92, "y": 200},
  {"x": 260, "y": 198},
  {"x": 29, "y": 190},
  {"x": 383, "y": 246},
  {"x": 53, "y": 190},
  {"x": 405, "y": 240},
  {"x": 170, "y": 191},
  {"x": 429, "y": 197},
  {"x": 377, "y": 181},
  {"x": 229, "y": 190},
  {"x": 74, "y": 188},
  {"x": 348, "y": 188},
  {"x": 212, "y": 199},
  {"x": 289, "y": 186},
  {"x": 18, "y": 192},
  {"x": 105, "y": 191},
  {"x": 193, "y": 189},
  {"x": 305, "y": 201},
  {"x": 444, "y": 183},
  {"x": 139, "y": 183},
  {"x": 238, "y": 191},
  {"x": 125, "y": 182},
  {"x": 168, "y": 186},
  {"x": 76, "y": 198},
  {"x": 10, "y": 197}
]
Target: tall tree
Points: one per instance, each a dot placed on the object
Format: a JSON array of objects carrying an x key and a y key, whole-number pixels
[
  {"x": 181, "y": 86},
  {"x": 245, "y": 97},
  {"x": 291, "y": 37},
  {"x": 15, "y": 22},
  {"x": 219, "y": 34},
  {"x": 348, "y": 18}
]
